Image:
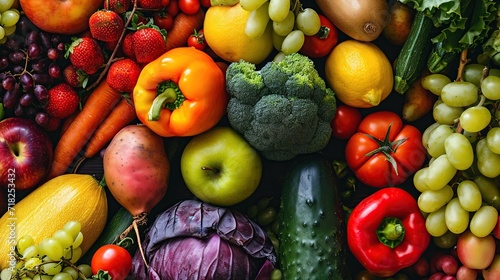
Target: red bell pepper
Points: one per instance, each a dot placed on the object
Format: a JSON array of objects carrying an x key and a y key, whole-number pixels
[{"x": 386, "y": 231}]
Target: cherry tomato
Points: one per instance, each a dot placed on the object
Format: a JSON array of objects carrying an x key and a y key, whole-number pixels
[
  {"x": 172, "y": 8},
  {"x": 189, "y": 7},
  {"x": 165, "y": 3},
  {"x": 206, "y": 3},
  {"x": 114, "y": 259},
  {"x": 345, "y": 122},
  {"x": 163, "y": 20},
  {"x": 197, "y": 40},
  {"x": 323, "y": 42},
  {"x": 384, "y": 151}
]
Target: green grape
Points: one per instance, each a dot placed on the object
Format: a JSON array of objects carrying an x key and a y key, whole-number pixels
[
  {"x": 490, "y": 192},
  {"x": 285, "y": 26},
  {"x": 487, "y": 161},
  {"x": 24, "y": 242},
  {"x": 4, "y": 6},
  {"x": 71, "y": 271},
  {"x": 475, "y": 119},
  {"x": 427, "y": 132},
  {"x": 51, "y": 248},
  {"x": 278, "y": 9},
  {"x": 78, "y": 240},
  {"x": 459, "y": 94},
  {"x": 440, "y": 172},
  {"x": 456, "y": 217},
  {"x": 293, "y": 42},
  {"x": 308, "y": 22},
  {"x": 251, "y": 5},
  {"x": 447, "y": 240},
  {"x": 493, "y": 140},
  {"x": 42, "y": 277},
  {"x": 419, "y": 179},
  {"x": 276, "y": 274},
  {"x": 435, "y": 82},
  {"x": 85, "y": 269},
  {"x": 51, "y": 268},
  {"x": 435, "y": 142},
  {"x": 473, "y": 73},
  {"x": 483, "y": 221},
  {"x": 277, "y": 41},
  {"x": 279, "y": 57},
  {"x": 32, "y": 263},
  {"x": 431, "y": 200},
  {"x": 62, "y": 276},
  {"x": 445, "y": 114},
  {"x": 9, "y": 30},
  {"x": 435, "y": 222},
  {"x": 459, "y": 150},
  {"x": 6, "y": 274},
  {"x": 31, "y": 251},
  {"x": 74, "y": 255},
  {"x": 469, "y": 195},
  {"x": 64, "y": 237},
  {"x": 471, "y": 136},
  {"x": 10, "y": 18},
  {"x": 2, "y": 32},
  {"x": 257, "y": 22},
  {"x": 73, "y": 227},
  {"x": 490, "y": 87}
]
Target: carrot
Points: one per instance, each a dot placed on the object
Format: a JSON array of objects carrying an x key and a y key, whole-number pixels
[
  {"x": 98, "y": 105},
  {"x": 67, "y": 121},
  {"x": 184, "y": 26},
  {"x": 122, "y": 115}
]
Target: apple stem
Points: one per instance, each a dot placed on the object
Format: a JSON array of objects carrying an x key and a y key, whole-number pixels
[{"x": 215, "y": 170}]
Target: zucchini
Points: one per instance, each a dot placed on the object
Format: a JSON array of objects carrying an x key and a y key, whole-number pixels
[
  {"x": 312, "y": 235},
  {"x": 413, "y": 55}
]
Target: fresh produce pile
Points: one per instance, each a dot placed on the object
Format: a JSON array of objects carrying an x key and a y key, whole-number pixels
[{"x": 249, "y": 139}]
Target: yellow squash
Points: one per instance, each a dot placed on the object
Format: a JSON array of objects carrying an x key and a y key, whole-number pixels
[{"x": 67, "y": 197}]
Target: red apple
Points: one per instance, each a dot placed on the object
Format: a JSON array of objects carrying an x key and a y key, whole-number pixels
[
  {"x": 475, "y": 252},
  {"x": 60, "y": 16},
  {"x": 25, "y": 153}
]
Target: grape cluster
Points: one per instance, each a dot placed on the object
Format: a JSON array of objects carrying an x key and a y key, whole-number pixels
[
  {"x": 8, "y": 18},
  {"x": 52, "y": 258},
  {"x": 31, "y": 60},
  {"x": 460, "y": 185},
  {"x": 290, "y": 24}
]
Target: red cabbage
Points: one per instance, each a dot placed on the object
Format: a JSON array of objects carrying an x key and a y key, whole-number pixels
[{"x": 196, "y": 240}]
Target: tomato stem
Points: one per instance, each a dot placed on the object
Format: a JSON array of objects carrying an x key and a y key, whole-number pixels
[{"x": 386, "y": 147}]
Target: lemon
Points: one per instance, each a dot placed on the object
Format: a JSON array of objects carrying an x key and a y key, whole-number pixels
[
  {"x": 359, "y": 73},
  {"x": 224, "y": 31}
]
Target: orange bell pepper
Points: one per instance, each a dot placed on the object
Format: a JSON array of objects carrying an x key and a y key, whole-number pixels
[{"x": 181, "y": 93}]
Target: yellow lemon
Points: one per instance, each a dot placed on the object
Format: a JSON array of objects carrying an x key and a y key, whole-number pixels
[
  {"x": 224, "y": 31},
  {"x": 359, "y": 73}
]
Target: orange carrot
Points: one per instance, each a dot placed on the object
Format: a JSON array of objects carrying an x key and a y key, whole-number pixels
[
  {"x": 98, "y": 105},
  {"x": 122, "y": 115},
  {"x": 68, "y": 120},
  {"x": 184, "y": 26}
]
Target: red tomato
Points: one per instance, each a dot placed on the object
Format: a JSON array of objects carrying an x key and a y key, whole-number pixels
[
  {"x": 163, "y": 20},
  {"x": 173, "y": 8},
  {"x": 206, "y": 3},
  {"x": 345, "y": 122},
  {"x": 197, "y": 40},
  {"x": 165, "y": 3},
  {"x": 323, "y": 42},
  {"x": 114, "y": 259},
  {"x": 189, "y": 7},
  {"x": 385, "y": 152}
]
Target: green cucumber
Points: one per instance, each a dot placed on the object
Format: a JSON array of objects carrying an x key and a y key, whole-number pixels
[
  {"x": 413, "y": 55},
  {"x": 312, "y": 235}
]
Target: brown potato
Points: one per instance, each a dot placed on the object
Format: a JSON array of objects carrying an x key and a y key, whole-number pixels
[{"x": 401, "y": 18}]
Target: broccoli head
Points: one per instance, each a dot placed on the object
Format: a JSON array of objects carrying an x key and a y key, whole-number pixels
[{"x": 284, "y": 109}]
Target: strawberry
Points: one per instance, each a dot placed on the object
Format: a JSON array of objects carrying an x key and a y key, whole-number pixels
[
  {"x": 127, "y": 45},
  {"x": 73, "y": 76},
  {"x": 149, "y": 43},
  {"x": 63, "y": 101},
  {"x": 106, "y": 25},
  {"x": 149, "y": 4},
  {"x": 86, "y": 54},
  {"x": 123, "y": 75},
  {"x": 118, "y": 6}
]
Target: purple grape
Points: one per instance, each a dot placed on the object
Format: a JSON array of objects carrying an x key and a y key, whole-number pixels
[
  {"x": 55, "y": 40},
  {"x": 45, "y": 38},
  {"x": 42, "y": 78},
  {"x": 41, "y": 94},
  {"x": 34, "y": 51},
  {"x": 25, "y": 25},
  {"x": 10, "y": 99},
  {"x": 19, "y": 111},
  {"x": 26, "y": 99},
  {"x": 52, "y": 54},
  {"x": 8, "y": 82},
  {"x": 42, "y": 118},
  {"x": 40, "y": 65},
  {"x": 18, "y": 69},
  {"x": 4, "y": 63},
  {"x": 60, "y": 47},
  {"x": 17, "y": 57},
  {"x": 32, "y": 38},
  {"x": 14, "y": 42},
  {"x": 54, "y": 71},
  {"x": 30, "y": 111},
  {"x": 27, "y": 82}
]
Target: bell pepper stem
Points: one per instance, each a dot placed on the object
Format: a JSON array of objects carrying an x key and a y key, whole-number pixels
[
  {"x": 169, "y": 95},
  {"x": 391, "y": 232}
]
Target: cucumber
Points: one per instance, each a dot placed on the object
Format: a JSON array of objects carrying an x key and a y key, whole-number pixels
[
  {"x": 413, "y": 55},
  {"x": 312, "y": 235}
]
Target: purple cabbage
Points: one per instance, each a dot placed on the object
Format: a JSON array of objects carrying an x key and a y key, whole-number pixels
[{"x": 196, "y": 240}]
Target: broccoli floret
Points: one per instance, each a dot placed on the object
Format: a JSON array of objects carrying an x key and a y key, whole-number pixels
[{"x": 284, "y": 109}]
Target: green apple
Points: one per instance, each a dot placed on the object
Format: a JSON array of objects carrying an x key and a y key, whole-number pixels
[{"x": 220, "y": 167}]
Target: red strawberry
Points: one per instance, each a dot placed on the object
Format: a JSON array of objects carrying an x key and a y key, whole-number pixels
[
  {"x": 74, "y": 77},
  {"x": 149, "y": 4},
  {"x": 149, "y": 43},
  {"x": 123, "y": 75},
  {"x": 106, "y": 25},
  {"x": 128, "y": 45},
  {"x": 86, "y": 54},
  {"x": 63, "y": 101},
  {"x": 119, "y": 6}
]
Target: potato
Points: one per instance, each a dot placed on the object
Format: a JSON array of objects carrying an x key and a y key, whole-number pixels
[
  {"x": 136, "y": 168},
  {"x": 398, "y": 27}
]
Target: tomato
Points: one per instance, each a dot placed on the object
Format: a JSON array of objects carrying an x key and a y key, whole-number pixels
[
  {"x": 163, "y": 20},
  {"x": 323, "y": 42},
  {"x": 189, "y": 7},
  {"x": 384, "y": 151},
  {"x": 172, "y": 8},
  {"x": 197, "y": 40},
  {"x": 165, "y": 3},
  {"x": 114, "y": 259},
  {"x": 345, "y": 122},
  {"x": 206, "y": 3}
]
